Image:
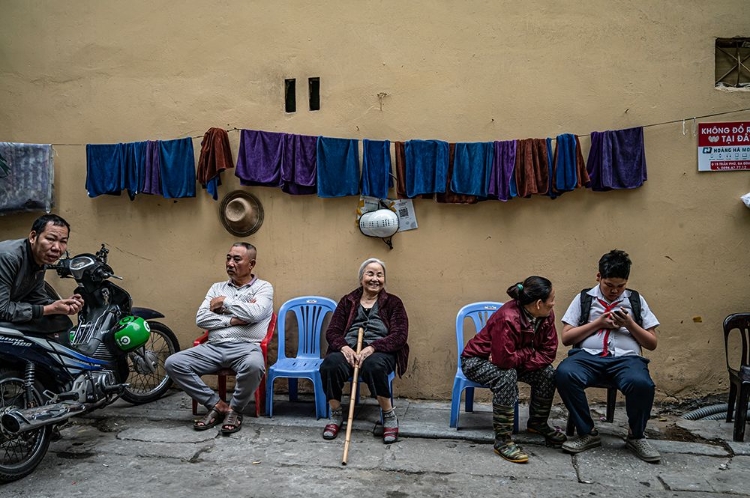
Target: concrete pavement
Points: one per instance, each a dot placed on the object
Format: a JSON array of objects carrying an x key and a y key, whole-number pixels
[{"x": 151, "y": 450}]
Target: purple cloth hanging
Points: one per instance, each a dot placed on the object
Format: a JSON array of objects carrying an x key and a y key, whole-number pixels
[
  {"x": 299, "y": 165},
  {"x": 502, "y": 170},
  {"x": 259, "y": 158},
  {"x": 152, "y": 180},
  {"x": 617, "y": 159}
]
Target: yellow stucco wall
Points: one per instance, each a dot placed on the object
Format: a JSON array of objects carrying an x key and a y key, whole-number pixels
[{"x": 80, "y": 72}]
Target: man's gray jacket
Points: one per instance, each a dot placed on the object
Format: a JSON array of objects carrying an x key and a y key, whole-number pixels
[{"x": 22, "y": 296}]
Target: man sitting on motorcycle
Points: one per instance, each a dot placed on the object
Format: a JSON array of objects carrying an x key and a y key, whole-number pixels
[
  {"x": 236, "y": 313},
  {"x": 24, "y": 305}
]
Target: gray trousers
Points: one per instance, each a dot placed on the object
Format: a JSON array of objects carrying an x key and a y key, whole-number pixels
[{"x": 186, "y": 368}]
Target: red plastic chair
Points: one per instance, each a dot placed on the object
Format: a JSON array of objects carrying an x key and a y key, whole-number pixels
[{"x": 222, "y": 374}]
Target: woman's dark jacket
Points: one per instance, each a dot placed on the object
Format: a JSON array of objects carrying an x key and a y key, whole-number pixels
[{"x": 392, "y": 313}]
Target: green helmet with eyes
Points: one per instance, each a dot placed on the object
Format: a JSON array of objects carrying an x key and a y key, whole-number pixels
[{"x": 132, "y": 332}]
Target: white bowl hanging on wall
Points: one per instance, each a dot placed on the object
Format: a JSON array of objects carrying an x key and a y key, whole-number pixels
[{"x": 382, "y": 223}]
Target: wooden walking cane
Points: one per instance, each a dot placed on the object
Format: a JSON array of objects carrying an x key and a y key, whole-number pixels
[{"x": 352, "y": 397}]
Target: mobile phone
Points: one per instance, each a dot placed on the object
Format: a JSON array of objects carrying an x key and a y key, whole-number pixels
[{"x": 621, "y": 313}]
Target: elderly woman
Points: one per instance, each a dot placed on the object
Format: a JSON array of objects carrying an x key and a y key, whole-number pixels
[
  {"x": 384, "y": 349},
  {"x": 518, "y": 342}
]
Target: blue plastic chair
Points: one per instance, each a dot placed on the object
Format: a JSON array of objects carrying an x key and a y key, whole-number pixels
[
  {"x": 479, "y": 313},
  {"x": 310, "y": 312}
]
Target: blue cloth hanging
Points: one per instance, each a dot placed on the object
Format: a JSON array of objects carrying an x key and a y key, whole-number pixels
[
  {"x": 472, "y": 167},
  {"x": 104, "y": 169},
  {"x": 566, "y": 163},
  {"x": 426, "y": 166},
  {"x": 338, "y": 167},
  {"x": 177, "y": 168},
  {"x": 376, "y": 168},
  {"x": 133, "y": 155}
]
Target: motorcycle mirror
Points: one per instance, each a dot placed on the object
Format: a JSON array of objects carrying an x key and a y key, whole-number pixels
[{"x": 101, "y": 254}]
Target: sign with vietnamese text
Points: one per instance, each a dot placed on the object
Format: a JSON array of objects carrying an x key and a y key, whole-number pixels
[{"x": 724, "y": 146}]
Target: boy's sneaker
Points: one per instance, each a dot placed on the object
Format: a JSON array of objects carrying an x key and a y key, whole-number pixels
[
  {"x": 582, "y": 443},
  {"x": 643, "y": 449}
]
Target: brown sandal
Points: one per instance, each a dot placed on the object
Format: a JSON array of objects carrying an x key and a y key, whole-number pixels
[
  {"x": 232, "y": 423},
  {"x": 212, "y": 419}
]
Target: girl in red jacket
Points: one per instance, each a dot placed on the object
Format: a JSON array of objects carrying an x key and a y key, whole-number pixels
[{"x": 518, "y": 343}]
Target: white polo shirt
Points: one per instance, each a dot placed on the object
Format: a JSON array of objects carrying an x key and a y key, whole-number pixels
[{"x": 617, "y": 342}]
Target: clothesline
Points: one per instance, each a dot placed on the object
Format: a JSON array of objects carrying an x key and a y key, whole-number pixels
[{"x": 650, "y": 125}]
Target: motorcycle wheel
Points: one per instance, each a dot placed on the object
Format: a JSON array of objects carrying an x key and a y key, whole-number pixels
[
  {"x": 20, "y": 454},
  {"x": 145, "y": 386}
]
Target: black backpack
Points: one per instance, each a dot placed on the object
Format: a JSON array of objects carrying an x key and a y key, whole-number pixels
[{"x": 586, "y": 299}]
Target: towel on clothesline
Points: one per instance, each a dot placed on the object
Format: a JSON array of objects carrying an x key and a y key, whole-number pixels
[
  {"x": 259, "y": 158},
  {"x": 134, "y": 160},
  {"x": 338, "y": 167},
  {"x": 503, "y": 166},
  {"x": 271, "y": 159},
  {"x": 299, "y": 165},
  {"x": 426, "y": 166},
  {"x": 26, "y": 177},
  {"x": 400, "y": 155},
  {"x": 104, "y": 169},
  {"x": 472, "y": 167},
  {"x": 617, "y": 159},
  {"x": 163, "y": 167},
  {"x": 376, "y": 168},
  {"x": 215, "y": 157},
  {"x": 112, "y": 168},
  {"x": 569, "y": 170},
  {"x": 450, "y": 197},
  {"x": 551, "y": 192},
  {"x": 177, "y": 168},
  {"x": 152, "y": 180},
  {"x": 532, "y": 167}
]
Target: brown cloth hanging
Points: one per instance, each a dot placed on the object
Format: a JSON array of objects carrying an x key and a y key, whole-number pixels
[
  {"x": 532, "y": 167},
  {"x": 583, "y": 174},
  {"x": 216, "y": 155},
  {"x": 450, "y": 197}
]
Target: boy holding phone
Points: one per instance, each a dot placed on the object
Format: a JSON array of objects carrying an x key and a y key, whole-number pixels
[{"x": 607, "y": 348}]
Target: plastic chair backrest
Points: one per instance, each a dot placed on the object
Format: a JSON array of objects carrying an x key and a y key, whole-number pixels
[
  {"x": 310, "y": 312},
  {"x": 740, "y": 322},
  {"x": 479, "y": 313}
]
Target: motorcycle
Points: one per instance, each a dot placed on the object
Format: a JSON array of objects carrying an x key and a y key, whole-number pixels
[{"x": 115, "y": 350}]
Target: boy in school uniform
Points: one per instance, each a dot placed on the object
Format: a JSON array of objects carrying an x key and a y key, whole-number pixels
[{"x": 607, "y": 326}]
